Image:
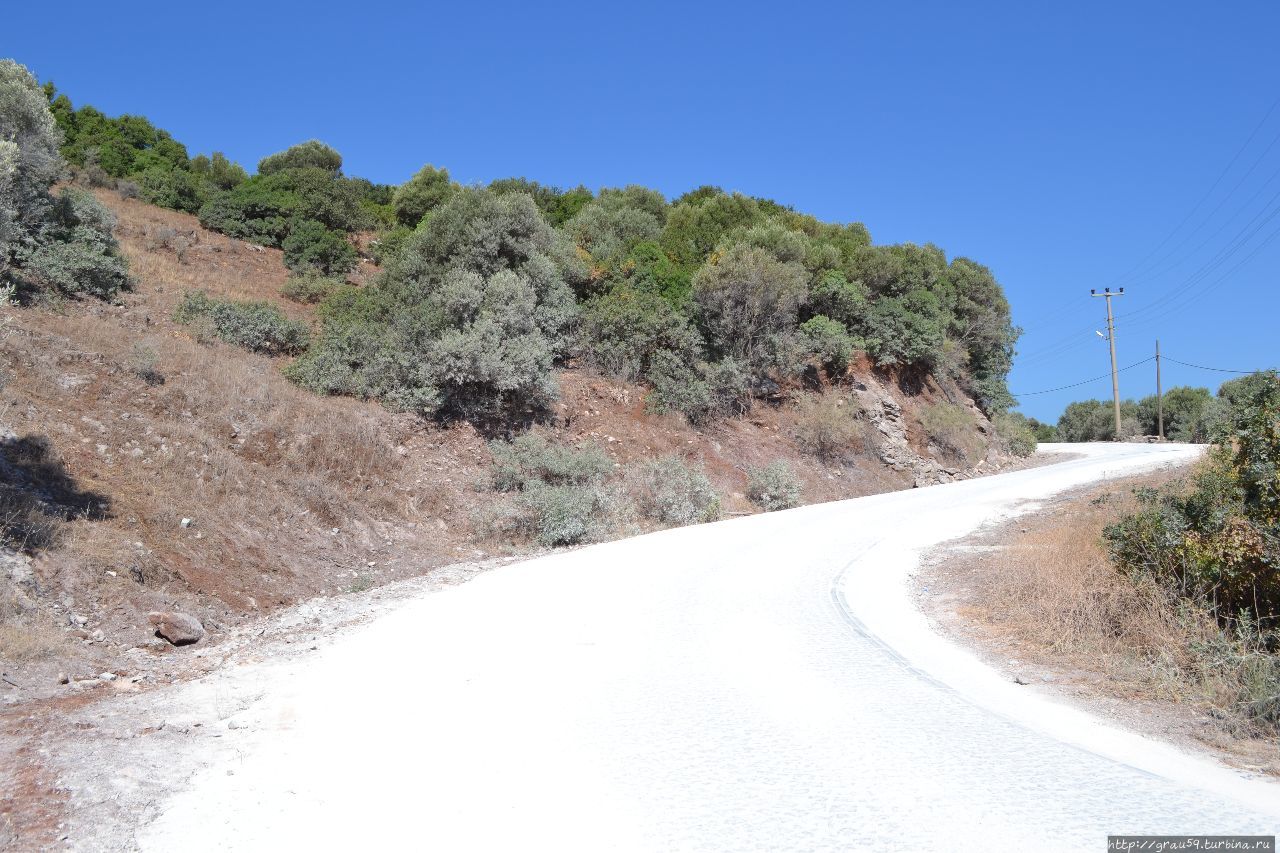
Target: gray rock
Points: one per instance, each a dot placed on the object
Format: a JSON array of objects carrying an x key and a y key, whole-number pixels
[
  {"x": 179, "y": 628},
  {"x": 97, "y": 636},
  {"x": 107, "y": 676}
]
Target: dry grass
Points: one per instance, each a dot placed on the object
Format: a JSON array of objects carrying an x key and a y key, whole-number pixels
[
  {"x": 828, "y": 428},
  {"x": 1050, "y": 592}
]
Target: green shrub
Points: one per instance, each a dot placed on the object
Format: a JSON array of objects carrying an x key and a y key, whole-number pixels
[
  {"x": 255, "y": 326},
  {"x": 953, "y": 429},
  {"x": 74, "y": 249},
  {"x": 1017, "y": 432},
  {"x": 559, "y": 494},
  {"x": 623, "y": 330},
  {"x": 175, "y": 189},
  {"x": 312, "y": 154},
  {"x": 829, "y": 342},
  {"x": 701, "y": 392},
  {"x": 773, "y": 487},
  {"x": 531, "y": 458},
  {"x": 421, "y": 194},
  {"x": 263, "y": 208},
  {"x": 1218, "y": 542},
  {"x": 746, "y": 303},
  {"x": 388, "y": 244},
  {"x": 311, "y": 246},
  {"x": 467, "y": 320},
  {"x": 670, "y": 492},
  {"x": 309, "y": 288},
  {"x": 828, "y": 428}
]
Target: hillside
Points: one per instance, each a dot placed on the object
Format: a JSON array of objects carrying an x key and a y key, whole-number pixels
[{"x": 195, "y": 476}]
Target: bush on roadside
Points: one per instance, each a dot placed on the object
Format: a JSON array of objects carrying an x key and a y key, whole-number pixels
[
  {"x": 255, "y": 326},
  {"x": 1016, "y": 431},
  {"x": 671, "y": 492},
  {"x": 559, "y": 495},
  {"x": 773, "y": 487}
]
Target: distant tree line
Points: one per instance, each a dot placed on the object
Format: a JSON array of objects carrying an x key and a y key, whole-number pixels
[{"x": 1190, "y": 414}]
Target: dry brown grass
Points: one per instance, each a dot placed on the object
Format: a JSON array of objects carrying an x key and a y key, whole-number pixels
[{"x": 1049, "y": 593}]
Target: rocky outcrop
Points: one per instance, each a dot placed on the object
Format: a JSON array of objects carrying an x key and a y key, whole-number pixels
[{"x": 889, "y": 431}]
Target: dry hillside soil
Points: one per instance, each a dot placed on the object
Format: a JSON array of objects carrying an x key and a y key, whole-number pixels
[{"x": 176, "y": 474}]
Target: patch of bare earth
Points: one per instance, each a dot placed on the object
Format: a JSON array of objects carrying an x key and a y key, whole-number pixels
[{"x": 1038, "y": 600}]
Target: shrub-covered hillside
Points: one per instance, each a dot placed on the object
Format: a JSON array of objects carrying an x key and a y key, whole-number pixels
[{"x": 715, "y": 300}]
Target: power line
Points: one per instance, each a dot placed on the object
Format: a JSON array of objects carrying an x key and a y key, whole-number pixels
[
  {"x": 1214, "y": 369},
  {"x": 1086, "y": 381}
]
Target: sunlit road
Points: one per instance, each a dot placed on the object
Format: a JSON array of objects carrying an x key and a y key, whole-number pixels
[{"x": 763, "y": 683}]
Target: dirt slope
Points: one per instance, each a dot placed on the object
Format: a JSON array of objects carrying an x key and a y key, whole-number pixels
[{"x": 286, "y": 495}]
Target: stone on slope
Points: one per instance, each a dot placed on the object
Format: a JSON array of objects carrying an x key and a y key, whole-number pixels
[{"x": 178, "y": 628}]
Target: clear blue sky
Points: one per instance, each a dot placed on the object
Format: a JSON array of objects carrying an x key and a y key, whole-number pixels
[{"x": 1058, "y": 144}]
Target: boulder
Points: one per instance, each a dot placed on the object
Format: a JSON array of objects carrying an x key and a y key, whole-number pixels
[{"x": 178, "y": 628}]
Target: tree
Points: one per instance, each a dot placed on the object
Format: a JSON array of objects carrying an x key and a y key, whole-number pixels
[
  {"x": 615, "y": 223},
  {"x": 311, "y": 246},
  {"x": 747, "y": 303},
  {"x": 312, "y": 154},
  {"x": 421, "y": 194},
  {"x": 696, "y": 226},
  {"x": 467, "y": 320},
  {"x": 64, "y": 241}
]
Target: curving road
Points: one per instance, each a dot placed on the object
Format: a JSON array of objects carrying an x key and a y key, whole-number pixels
[{"x": 763, "y": 683}]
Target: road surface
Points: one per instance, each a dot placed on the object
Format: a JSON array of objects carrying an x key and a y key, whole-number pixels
[{"x": 763, "y": 683}]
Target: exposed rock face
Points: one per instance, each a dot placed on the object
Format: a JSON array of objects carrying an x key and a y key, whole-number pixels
[
  {"x": 181, "y": 629},
  {"x": 889, "y": 431}
]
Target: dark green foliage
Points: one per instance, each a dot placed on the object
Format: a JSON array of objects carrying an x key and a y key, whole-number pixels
[
  {"x": 696, "y": 226},
  {"x": 829, "y": 343},
  {"x": 176, "y": 189},
  {"x": 311, "y": 246},
  {"x": 1218, "y": 542},
  {"x": 607, "y": 229},
  {"x": 217, "y": 172},
  {"x": 1189, "y": 414},
  {"x": 773, "y": 487},
  {"x": 262, "y": 209},
  {"x": 421, "y": 194},
  {"x": 647, "y": 268},
  {"x": 556, "y": 205},
  {"x": 701, "y": 392},
  {"x": 312, "y": 154},
  {"x": 1094, "y": 420},
  {"x": 626, "y": 328},
  {"x": 389, "y": 243},
  {"x": 255, "y": 326}
]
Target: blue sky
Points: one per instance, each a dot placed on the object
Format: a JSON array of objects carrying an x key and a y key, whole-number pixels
[{"x": 1067, "y": 147}]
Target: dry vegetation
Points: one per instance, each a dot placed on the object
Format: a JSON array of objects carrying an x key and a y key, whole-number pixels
[
  {"x": 1042, "y": 593},
  {"x": 289, "y": 495}
]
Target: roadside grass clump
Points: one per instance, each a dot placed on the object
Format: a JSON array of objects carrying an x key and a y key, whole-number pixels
[
  {"x": 953, "y": 429},
  {"x": 558, "y": 494},
  {"x": 673, "y": 493},
  {"x": 309, "y": 288},
  {"x": 774, "y": 486},
  {"x": 828, "y": 428},
  {"x": 256, "y": 326},
  {"x": 1016, "y": 432}
]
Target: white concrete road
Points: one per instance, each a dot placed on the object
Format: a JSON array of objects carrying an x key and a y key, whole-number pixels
[{"x": 760, "y": 684}]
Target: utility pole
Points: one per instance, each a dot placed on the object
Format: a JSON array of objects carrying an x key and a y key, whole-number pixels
[
  {"x": 1159, "y": 397},
  {"x": 1111, "y": 339}
]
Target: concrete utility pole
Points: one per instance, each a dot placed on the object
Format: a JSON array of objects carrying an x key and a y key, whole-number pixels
[
  {"x": 1159, "y": 397},
  {"x": 1111, "y": 339}
]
